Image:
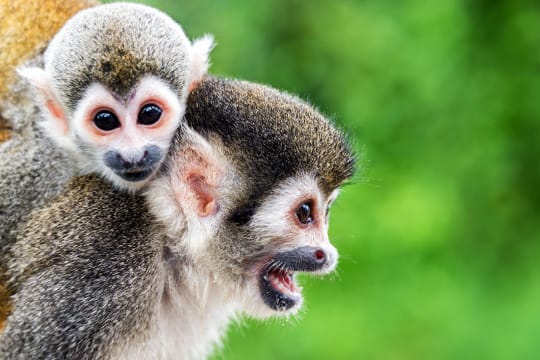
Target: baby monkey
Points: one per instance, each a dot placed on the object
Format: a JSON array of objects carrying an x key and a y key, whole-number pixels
[{"x": 114, "y": 86}]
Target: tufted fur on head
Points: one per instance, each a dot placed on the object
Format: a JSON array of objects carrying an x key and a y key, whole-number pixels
[{"x": 116, "y": 45}]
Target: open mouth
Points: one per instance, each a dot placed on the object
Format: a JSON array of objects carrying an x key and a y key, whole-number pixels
[
  {"x": 133, "y": 176},
  {"x": 279, "y": 290},
  {"x": 276, "y": 281}
]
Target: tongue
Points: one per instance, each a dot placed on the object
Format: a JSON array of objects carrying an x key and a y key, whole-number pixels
[
  {"x": 281, "y": 281},
  {"x": 285, "y": 280}
]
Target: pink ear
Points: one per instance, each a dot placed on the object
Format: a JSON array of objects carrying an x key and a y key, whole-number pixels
[
  {"x": 205, "y": 195},
  {"x": 198, "y": 175},
  {"x": 57, "y": 113},
  {"x": 39, "y": 80}
]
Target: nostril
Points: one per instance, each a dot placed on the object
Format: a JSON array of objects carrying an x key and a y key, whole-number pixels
[
  {"x": 122, "y": 162},
  {"x": 143, "y": 159},
  {"x": 320, "y": 256}
]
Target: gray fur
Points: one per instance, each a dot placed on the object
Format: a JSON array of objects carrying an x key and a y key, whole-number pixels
[
  {"x": 68, "y": 305},
  {"x": 19, "y": 107},
  {"x": 32, "y": 168},
  {"x": 279, "y": 137},
  {"x": 90, "y": 269},
  {"x": 136, "y": 40},
  {"x": 116, "y": 45},
  {"x": 25, "y": 182}
]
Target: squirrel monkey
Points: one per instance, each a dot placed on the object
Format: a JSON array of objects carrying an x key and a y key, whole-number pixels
[
  {"x": 239, "y": 208},
  {"x": 113, "y": 88},
  {"x": 160, "y": 67},
  {"x": 31, "y": 167}
]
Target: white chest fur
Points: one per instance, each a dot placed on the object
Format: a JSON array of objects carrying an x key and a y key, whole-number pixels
[{"x": 189, "y": 323}]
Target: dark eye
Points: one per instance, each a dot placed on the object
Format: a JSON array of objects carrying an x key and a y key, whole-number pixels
[
  {"x": 149, "y": 114},
  {"x": 106, "y": 121},
  {"x": 303, "y": 213}
]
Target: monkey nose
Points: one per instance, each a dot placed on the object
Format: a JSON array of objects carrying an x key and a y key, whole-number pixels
[
  {"x": 320, "y": 255},
  {"x": 306, "y": 258},
  {"x": 151, "y": 156},
  {"x": 317, "y": 258},
  {"x": 122, "y": 162},
  {"x": 326, "y": 257},
  {"x": 126, "y": 164},
  {"x": 149, "y": 159},
  {"x": 143, "y": 160}
]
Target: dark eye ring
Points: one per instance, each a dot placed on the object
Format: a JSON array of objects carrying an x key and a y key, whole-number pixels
[
  {"x": 303, "y": 213},
  {"x": 149, "y": 114},
  {"x": 106, "y": 121}
]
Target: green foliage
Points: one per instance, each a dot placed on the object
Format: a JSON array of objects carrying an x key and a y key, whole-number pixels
[{"x": 440, "y": 234}]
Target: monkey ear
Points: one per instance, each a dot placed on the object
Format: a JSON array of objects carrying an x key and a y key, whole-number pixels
[
  {"x": 200, "y": 171},
  {"x": 205, "y": 193},
  {"x": 200, "y": 53},
  {"x": 56, "y": 124},
  {"x": 194, "y": 188}
]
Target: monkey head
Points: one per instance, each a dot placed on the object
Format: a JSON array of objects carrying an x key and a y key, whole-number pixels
[
  {"x": 254, "y": 172},
  {"x": 114, "y": 86}
]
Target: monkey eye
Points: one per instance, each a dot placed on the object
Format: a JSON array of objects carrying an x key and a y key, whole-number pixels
[
  {"x": 106, "y": 121},
  {"x": 303, "y": 213},
  {"x": 149, "y": 114}
]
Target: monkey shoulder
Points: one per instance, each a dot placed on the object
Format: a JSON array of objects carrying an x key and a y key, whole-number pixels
[{"x": 89, "y": 218}]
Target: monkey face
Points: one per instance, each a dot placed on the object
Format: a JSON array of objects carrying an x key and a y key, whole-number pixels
[
  {"x": 127, "y": 137},
  {"x": 252, "y": 251},
  {"x": 285, "y": 234},
  {"x": 114, "y": 86}
]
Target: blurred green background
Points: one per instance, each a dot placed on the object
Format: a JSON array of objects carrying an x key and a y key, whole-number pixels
[{"x": 439, "y": 235}]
